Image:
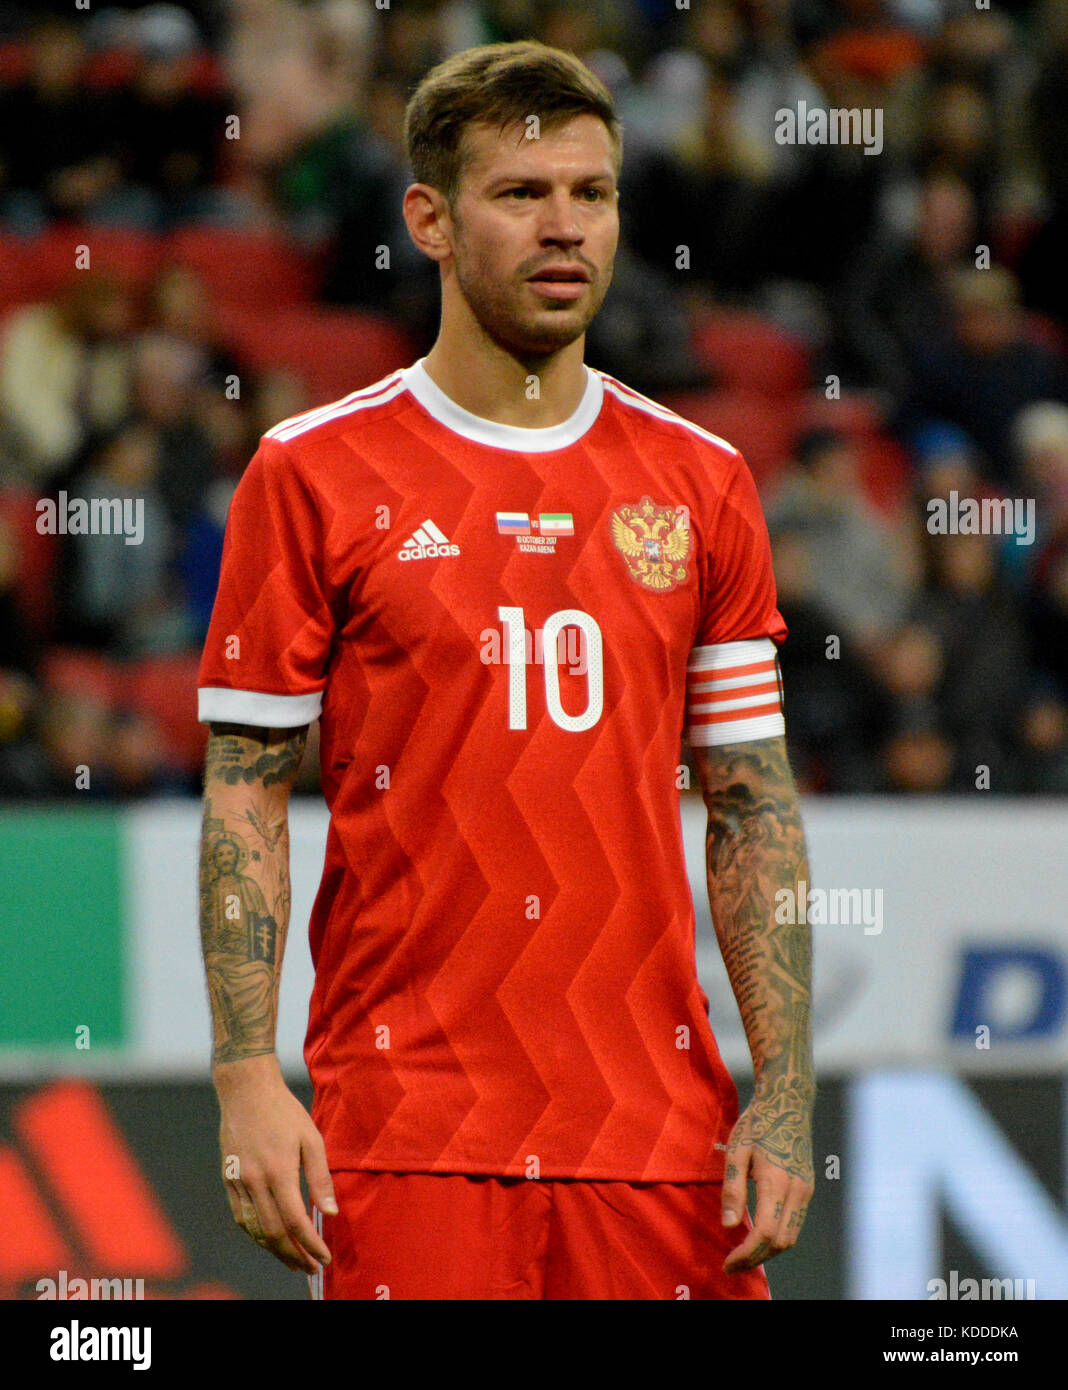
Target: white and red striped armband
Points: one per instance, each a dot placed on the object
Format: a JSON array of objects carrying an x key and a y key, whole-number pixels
[{"x": 733, "y": 693}]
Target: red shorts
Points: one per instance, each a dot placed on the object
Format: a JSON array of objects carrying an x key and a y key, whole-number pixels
[{"x": 444, "y": 1236}]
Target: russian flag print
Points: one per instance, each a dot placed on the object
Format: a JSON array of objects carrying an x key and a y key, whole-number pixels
[
  {"x": 544, "y": 524},
  {"x": 733, "y": 693}
]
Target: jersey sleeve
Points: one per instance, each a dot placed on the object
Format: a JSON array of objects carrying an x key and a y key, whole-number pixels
[
  {"x": 269, "y": 642},
  {"x": 733, "y": 682}
]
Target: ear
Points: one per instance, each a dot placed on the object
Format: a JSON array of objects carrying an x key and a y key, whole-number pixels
[{"x": 426, "y": 214}]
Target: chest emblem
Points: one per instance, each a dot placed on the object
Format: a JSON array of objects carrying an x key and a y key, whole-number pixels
[{"x": 654, "y": 541}]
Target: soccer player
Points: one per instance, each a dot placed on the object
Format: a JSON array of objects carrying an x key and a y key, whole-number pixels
[{"x": 504, "y": 583}]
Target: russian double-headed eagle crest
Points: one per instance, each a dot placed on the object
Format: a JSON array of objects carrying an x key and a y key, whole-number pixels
[{"x": 654, "y": 541}]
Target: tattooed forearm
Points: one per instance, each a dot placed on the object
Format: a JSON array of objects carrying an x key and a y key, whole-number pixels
[
  {"x": 756, "y": 847},
  {"x": 244, "y": 881}
]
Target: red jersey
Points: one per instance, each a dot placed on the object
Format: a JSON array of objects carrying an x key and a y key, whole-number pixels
[{"x": 502, "y": 631}]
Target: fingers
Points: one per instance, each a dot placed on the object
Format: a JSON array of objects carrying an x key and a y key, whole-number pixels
[
  {"x": 278, "y": 1223},
  {"x": 736, "y": 1182},
  {"x": 234, "y": 1200},
  {"x": 298, "y": 1224},
  {"x": 317, "y": 1174},
  {"x": 759, "y": 1244},
  {"x": 793, "y": 1218},
  {"x": 259, "y": 1218},
  {"x": 751, "y": 1253},
  {"x": 782, "y": 1202}
]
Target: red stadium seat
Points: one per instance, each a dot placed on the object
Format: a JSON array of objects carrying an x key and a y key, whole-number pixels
[
  {"x": 73, "y": 671},
  {"x": 207, "y": 75},
  {"x": 165, "y": 689},
  {"x": 14, "y": 61},
  {"x": 251, "y": 269},
  {"x": 884, "y": 464},
  {"x": 115, "y": 67},
  {"x": 1045, "y": 332},
  {"x": 19, "y": 280},
  {"x": 748, "y": 353},
  {"x": 334, "y": 350},
  {"x": 131, "y": 256},
  {"x": 110, "y": 68},
  {"x": 764, "y": 428},
  {"x": 36, "y": 559},
  {"x": 880, "y": 54},
  {"x": 885, "y": 470}
]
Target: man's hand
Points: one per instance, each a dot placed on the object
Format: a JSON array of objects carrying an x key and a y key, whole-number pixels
[
  {"x": 771, "y": 1144},
  {"x": 266, "y": 1137}
]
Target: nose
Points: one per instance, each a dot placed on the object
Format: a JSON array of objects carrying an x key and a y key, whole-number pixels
[{"x": 560, "y": 223}]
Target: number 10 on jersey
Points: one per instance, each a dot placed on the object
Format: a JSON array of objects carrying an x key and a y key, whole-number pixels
[{"x": 516, "y": 659}]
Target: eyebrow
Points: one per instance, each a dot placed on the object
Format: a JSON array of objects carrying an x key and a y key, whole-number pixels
[{"x": 540, "y": 181}]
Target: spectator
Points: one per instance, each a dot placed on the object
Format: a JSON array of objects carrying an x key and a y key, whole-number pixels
[
  {"x": 642, "y": 334},
  {"x": 118, "y": 595},
  {"x": 180, "y": 310},
  {"x": 919, "y": 752},
  {"x": 990, "y": 368},
  {"x": 723, "y": 174},
  {"x": 168, "y": 372},
  {"x": 967, "y": 604},
  {"x": 1046, "y": 111},
  {"x": 895, "y": 296},
  {"x": 1047, "y": 608},
  {"x": 74, "y": 734},
  {"x": 836, "y": 707},
  {"x": 18, "y": 647},
  {"x": 860, "y": 571},
  {"x": 1043, "y": 741},
  {"x": 137, "y": 761},
  {"x": 58, "y": 142},
  {"x": 953, "y": 650},
  {"x": 64, "y": 375},
  {"x": 918, "y": 757},
  {"x": 171, "y": 133},
  {"x": 1040, "y": 447}
]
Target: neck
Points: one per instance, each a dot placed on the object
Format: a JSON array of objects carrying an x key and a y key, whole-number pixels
[{"x": 489, "y": 381}]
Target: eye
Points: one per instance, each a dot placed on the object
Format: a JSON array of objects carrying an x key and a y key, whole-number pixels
[
  {"x": 519, "y": 192},
  {"x": 599, "y": 194}
]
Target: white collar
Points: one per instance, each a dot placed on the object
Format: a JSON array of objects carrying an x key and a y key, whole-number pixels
[{"x": 445, "y": 410}]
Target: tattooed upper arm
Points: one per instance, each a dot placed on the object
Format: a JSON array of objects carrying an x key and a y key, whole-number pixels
[
  {"x": 750, "y": 794},
  {"x": 243, "y": 753}
]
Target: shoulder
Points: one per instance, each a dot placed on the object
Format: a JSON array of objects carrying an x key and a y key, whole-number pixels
[
  {"x": 648, "y": 416},
  {"x": 324, "y": 423}
]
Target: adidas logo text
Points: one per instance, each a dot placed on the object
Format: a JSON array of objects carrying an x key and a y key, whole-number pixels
[{"x": 426, "y": 542}]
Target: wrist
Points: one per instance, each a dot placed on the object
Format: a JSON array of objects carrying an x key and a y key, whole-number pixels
[
  {"x": 769, "y": 1085},
  {"x": 227, "y": 1073}
]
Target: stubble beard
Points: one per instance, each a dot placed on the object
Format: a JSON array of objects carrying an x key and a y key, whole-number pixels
[{"x": 498, "y": 309}]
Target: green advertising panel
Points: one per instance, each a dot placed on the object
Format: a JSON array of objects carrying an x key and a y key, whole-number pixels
[{"x": 61, "y": 928}]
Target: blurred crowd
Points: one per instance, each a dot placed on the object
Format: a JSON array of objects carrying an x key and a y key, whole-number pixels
[{"x": 918, "y": 292}]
